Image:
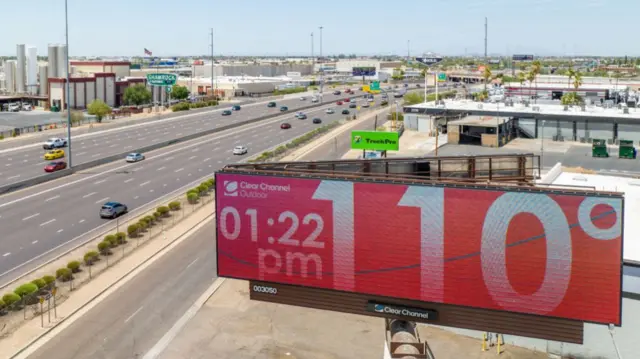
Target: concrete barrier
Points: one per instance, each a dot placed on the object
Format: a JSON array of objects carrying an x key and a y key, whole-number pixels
[{"x": 120, "y": 156}]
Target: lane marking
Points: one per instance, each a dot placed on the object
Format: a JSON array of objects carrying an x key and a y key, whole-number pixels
[
  {"x": 192, "y": 157},
  {"x": 81, "y": 153},
  {"x": 144, "y": 183},
  {"x": 102, "y": 200},
  {"x": 89, "y": 195},
  {"x": 133, "y": 315},
  {"x": 192, "y": 263},
  {"x": 129, "y": 180},
  {"x": 101, "y": 181},
  {"x": 6, "y": 254},
  {"x": 82, "y": 220},
  {"x": 60, "y": 230},
  {"x": 47, "y": 222},
  {"x": 161, "y": 168},
  {"x": 195, "y": 150},
  {"x": 31, "y": 216},
  {"x": 178, "y": 170},
  {"x": 12, "y": 177},
  {"x": 206, "y": 159},
  {"x": 136, "y": 197},
  {"x": 34, "y": 242},
  {"x": 96, "y": 155},
  {"x": 52, "y": 198},
  {"x": 169, "y": 158}
]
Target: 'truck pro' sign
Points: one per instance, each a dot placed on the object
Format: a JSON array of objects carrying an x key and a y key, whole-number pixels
[
  {"x": 161, "y": 79},
  {"x": 375, "y": 140}
]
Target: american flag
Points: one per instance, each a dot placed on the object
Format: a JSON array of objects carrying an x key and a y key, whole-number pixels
[{"x": 147, "y": 52}]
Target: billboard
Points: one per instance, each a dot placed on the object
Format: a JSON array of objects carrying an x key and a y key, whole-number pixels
[
  {"x": 522, "y": 57},
  {"x": 364, "y": 71},
  {"x": 533, "y": 252},
  {"x": 375, "y": 140}
]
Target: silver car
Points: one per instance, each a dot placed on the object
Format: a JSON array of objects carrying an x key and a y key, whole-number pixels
[
  {"x": 240, "y": 150},
  {"x": 135, "y": 157}
]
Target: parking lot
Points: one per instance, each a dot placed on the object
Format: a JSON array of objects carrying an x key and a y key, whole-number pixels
[{"x": 11, "y": 120}]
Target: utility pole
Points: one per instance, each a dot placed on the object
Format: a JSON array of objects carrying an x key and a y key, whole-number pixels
[
  {"x": 486, "y": 60},
  {"x": 320, "y": 62},
  {"x": 68, "y": 94},
  {"x": 313, "y": 62},
  {"x": 408, "y": 50},
  {"x": 212, "y": 68}
]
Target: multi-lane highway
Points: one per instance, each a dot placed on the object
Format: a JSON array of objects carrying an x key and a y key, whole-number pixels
[
  {"x": 37, "y": 220},
  {"x": 27, "y": 161}
]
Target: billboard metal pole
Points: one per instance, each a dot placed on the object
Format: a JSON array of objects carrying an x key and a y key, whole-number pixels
[{"x": 66, "y": 35}]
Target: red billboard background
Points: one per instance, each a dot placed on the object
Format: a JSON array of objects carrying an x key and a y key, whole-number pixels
[{"x": 528, "y": 252}]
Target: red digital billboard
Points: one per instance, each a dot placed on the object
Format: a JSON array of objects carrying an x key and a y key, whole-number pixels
[{"x": 529, "y": 252}]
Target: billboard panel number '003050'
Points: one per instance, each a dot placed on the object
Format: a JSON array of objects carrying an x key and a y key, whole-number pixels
[{"x": 536, "y": 253}]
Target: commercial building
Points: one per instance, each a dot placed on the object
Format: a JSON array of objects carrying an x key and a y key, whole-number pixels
[
  {"x": 121, "y": 69},
  {"x": 251, "y": 70}
]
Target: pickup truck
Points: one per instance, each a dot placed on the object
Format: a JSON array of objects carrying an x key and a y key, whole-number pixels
[{"x": 54, "y": 143}]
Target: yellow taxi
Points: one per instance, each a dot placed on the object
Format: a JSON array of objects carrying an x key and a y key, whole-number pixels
[{"x": 54, "y": 155}]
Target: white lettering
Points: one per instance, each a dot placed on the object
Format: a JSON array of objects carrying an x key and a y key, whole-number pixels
[
  {"x": 304, "y": 264},
  {"x": 263, "y": 268},
  {"x": 586, "y": 222},
  {"x": 263, "y": 289},
  {"x": 236, "y": 223}
]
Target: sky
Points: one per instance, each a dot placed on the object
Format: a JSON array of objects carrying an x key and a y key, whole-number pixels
[{"x": 284, "y": 27}]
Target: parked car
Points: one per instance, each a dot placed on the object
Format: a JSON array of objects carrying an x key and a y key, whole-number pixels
[
  {"x": 13, "y": 107},
  {"x": 226, "y": 113},
  {"x": 135, "y": 157},
  {"x": 240, "y": 150},
  {"x": 302, "y": 98},
  {"x": 271, "y": 104},
  {"x": 55, "y": 166},
  {"x": 339, "y": 103},
  {"x": 26, "y": 107},
  {"x": 336, "y": 92},
  {"x": 285, "y": 126},
  {"x": 347, "y": 100},
  {"x": 113, "y": 210}
]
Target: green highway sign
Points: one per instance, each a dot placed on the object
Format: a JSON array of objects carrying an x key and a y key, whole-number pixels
[
  {"x": 442, "y": 77},
  {"x": 375, "y": 86},
  {"x": 169, "y": 89},
  {"x": 375, "y": 140},
  {"x": 162, "y": 79}
]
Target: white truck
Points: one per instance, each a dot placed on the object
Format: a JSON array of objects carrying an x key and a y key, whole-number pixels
[{"x": 55, "y": 143}]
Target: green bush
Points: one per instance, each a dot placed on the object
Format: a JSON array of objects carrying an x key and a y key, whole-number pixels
[
  {"x": 104, "y": 248},
  {"x": 132, "y": 230},
  {"x": 121, "y": 237},
  {"x": 111, "y": 238},
  {"x": 74, "y": 266},
  {"x": 194, "y": 190},
  {"x": 156, "y": 216},
  {"x": 143, "y": 224},
  {"x": 91, "y": 257},
  {"x": 164, "y": 210},
  {"x": 64, "y": 274},
  {"x": 212, "y": 182},
  {"x": 150, "y": 220},
  {"x": 26, "y": 289},
  {"x": 203, "y": 189},
  {"x": 49, "y": 280},
  {"x": 174, "y": 206},
  {"x": 10, "y": 298},
  {"x": 184, "y": 106},
  {"x": 290, "y": 91},
  {"x": 192, "y": 197},
  {"x": 2, "y": 305},
  {"x": 39, "y": 282}
]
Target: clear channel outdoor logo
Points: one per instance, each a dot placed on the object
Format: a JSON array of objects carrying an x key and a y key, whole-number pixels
[
  {"x": 379, "y": 308},
  {"x": 252, "y": 190},
  {"x": 231, "y": 188}
]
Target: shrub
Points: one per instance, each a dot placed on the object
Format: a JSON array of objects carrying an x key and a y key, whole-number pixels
[
  {"x": 26, "y": 289},
  {"x": 111, "y": 238},
  {"x": 2, "y": 305},
  {"x": 192, "y": 197},
  {"x": 64, "y": 274},
  {"x": 212, "y": 182},
  {"x": 91, "y": 257},
  {"x": 132, "y": 230},
  {"x": 74, "y": 266},
  {"x": 39, "y": 282},
  {"x": 143, "y": 224},
  {"x": 180, "y": 107},
  {"x": 156, "y": 216},
  {"x": 149, "y": 220},
  {"x": 105, "y": 248},
  {"x": 164, "y": 210},
  {"x": 174, "y": 206},
  {"x": 194, "y": 190},
  {"x": 49, "y": 280},
  {"x": 121, "y": 237},
  {"x": 10, "y": 298},
  {"x": 203, "y": 188}
]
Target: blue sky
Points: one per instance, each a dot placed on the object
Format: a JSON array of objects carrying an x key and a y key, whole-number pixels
[{"x": 283, "y": 27}]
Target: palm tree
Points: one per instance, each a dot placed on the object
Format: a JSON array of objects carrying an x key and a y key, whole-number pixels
[
  {"x": 530, "y": 76},
  {"x": 536, "y": 67},
  {"x": 577, "y": 80},
  {"x": 571, "y": 73},
  {"x": 486, "y": 74}
]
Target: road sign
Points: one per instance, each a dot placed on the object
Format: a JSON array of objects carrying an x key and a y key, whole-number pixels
[
  {"x": 159, "y": 79},
  {"x": 442, "y": 77},
  {"x": 372, "y": 140},
  {"x": 522, "y": 57},
  {"x": 429, "y": 60},
  {"x": 375, "y": 86},
  {"x": 169, "y": 89}
]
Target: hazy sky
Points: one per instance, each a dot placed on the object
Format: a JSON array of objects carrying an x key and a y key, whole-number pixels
[{"x": 283, "y": 27}]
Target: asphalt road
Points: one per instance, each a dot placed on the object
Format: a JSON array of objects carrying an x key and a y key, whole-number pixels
[
  {"x": 43, "y": 220},
  {"x": 24, "y": 163},
  {"x": 132, "y": 319}
]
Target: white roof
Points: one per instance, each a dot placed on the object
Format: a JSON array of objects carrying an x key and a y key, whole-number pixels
[{"x": 631, "y": 189}]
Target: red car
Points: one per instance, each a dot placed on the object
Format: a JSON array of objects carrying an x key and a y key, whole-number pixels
[
  {"x": 347, "y": 100},
  {"x": 339, "y": 103},
  {"x": 347, "y": 90},
  {"x": 55, "y": 166},
  {"x": 285, "y": 126}
]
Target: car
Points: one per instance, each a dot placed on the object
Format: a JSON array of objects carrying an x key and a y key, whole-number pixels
[
  {"x": 226, "y": 113},
  {"x": 113, "y": 210},
  {"x": 135, "y": 157},
  {"x": 240, "y": 150},
  {"x": 26, "y": 107},
  {"x": 345, "y": 112},
  {"x": 301, "y": 116},
  {"x": 302, "y": 98},
  {"x": 406, "y": 85},
  {"x": 352, "y": 105},
  {"x": 317, "y": 120},
  {"x": 54, "y": 154},
  {"x": 339, "y": 103},
  {"x": 336, "y": 92},
  {"x": 314, "y": 99},
  {"x": 55, "y": 166},
  {"x": 13, "y": 107},
  {"x": 54, "y": 142},
  {"x": 235, "y": 108},
  {"x": 384, "y": 103},
  {"x": 365, "y": 104},
  {"x": 271, "y": 104},
  {"x": 284, "y": 108},
  {"x": 347, "y": 90},
  {"x": 347, "y": 100},
  {"x": 329, "y": 111},
  {"x": 418, "y": 85},
  {"x": 285, "y": 126}
]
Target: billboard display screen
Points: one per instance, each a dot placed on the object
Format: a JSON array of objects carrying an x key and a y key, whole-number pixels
[
  {"x": 538, "y": 253},
  {"x": 375, "y": 140},
  {"x": 364, "y": 71}
]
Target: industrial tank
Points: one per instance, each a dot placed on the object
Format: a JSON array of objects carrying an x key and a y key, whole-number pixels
[
  {"x": 32, "y": 70},
  {"x": 52, "y": 60},
  {"x": 21, "y": 73},
  {"x": 44, "y": 80},
  {"x": 61, "y": 58},
  {"x": 10, "y": 75}
]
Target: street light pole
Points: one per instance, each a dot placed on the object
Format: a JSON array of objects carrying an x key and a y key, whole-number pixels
[
  {"x": 67, "y": 97},
  {"x": 212, "y": 75},
  {"x": 321, "y": 69}
]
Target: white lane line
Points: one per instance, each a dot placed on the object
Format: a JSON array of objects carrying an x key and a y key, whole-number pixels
[
  {"x": 8, "y": 164},
  {"x": 125, "y": 147},
  {"x": 179, "y": 134},
  {"x": 24, "y": 161},
  {"x": 178, "y": 170},
  {"x": 34, "y": 242},
  {"x": 31, "y": 216},
  {"x": 129, "y": 180},
  {"x": 255, "y": 135},
  {"x": 60, "y": 230},
  {"x": 165, "y": 133},
  {"x": 101, "y": 181},
  {"x": 189, "y": 175},
  {"x": 192, "y": 157},
  {"x": 161, "y": 168},
  {"x": 206, "y": 159},
  {"x": 169, "y": 158},
  {"x": 81, "y": 153},
  {"x": 96, "y": 155},
  {"x": 102, "y": 200},
  {"x": 6, "y": 254},
  {"x": 114, "y": 145},
  {"x": 12, "y": 177},
  {"x": 136, "y": 197},
  {"x": 52, "y": 198},
  {"x": 164, "y": 185},
  {"x": 133, "y": 315},
  {"x": 144, "y": 183},
  {"x": 192, "y": 263},
  {"x": 89, "y": 195},
  {"x": 217, "y": 148},
  {"x": 47, "y": 222},
  {"x": 142, "y": 138},
  {"x": 80, "y": 221},
  {"x": 195, "y": 150}
]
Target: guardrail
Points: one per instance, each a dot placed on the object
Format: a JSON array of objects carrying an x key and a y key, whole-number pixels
[{"x": 86, "y": 165}]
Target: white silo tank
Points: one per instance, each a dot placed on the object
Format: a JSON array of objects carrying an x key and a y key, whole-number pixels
[
  {"x": 61, "y": 58},
  {"x": 21, "y": 69},
  {"x": 10, "y": 75},
  {"x": 44, "y": 80},
  {"x": 32, "y": 70},
  {"x": 52, "y": 60}
]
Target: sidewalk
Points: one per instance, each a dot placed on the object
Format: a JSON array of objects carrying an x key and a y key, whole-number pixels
[{"x": 83, "y": 299}]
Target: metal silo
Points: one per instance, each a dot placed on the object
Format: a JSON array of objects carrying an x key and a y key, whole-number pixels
[
  {"x": 44, "y": 80},
  {"x": 10, "y": 75},
  {"x": 32, "y": 70},
  {"x": 52, "y": 60},
  {"x": 21, "y": 68},
  {"x": 61, "y": 61}
]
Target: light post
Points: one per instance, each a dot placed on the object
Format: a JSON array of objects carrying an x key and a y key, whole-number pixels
[
  {"x": 67, "y": 97},
  {"x": 321, "y": 68},
  {"x": 542, "y": 148}
]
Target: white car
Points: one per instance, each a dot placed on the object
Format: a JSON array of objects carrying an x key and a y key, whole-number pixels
[
  {"x": 26, "y": 107},
  {"x": 135, "y": 157},
  {"x": 365, "y": 104},
  {"x": 240, "y": 150},
  {"x": 13, "y": 107},
  {"x": 314, "y": 99},
  {"x": 54, "y": 143},
  {"x": 302, "y": 98},
  {"x": 329, "y": 111}
]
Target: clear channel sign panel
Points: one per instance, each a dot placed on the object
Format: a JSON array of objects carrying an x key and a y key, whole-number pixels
[
  {"x": 159, "y": 79},
  {"x": 525, "y": 252}
]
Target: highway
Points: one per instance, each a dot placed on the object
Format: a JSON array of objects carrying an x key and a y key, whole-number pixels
[
  {"x": 27, "y": 161},
  {"x": 40, "y": 221}
]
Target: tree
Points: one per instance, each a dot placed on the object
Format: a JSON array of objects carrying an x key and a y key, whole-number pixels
[
  {"x": 413, "y": 98},
  {"x": 486, "y": 74},
  {"x": 99, "y": 109},
  {"x": 536, "y": 67},
  {"x": 137, "y": 95},
  {"x": 530, "y": 76},
  {"x": 577, "y": 81},
  {"x": 179, "y": 92},
  {"x": 570, "y": 74}
]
